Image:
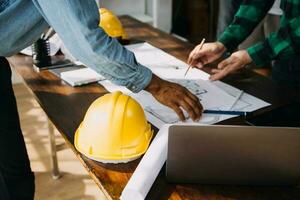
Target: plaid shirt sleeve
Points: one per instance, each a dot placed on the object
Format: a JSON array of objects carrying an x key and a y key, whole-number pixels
[
  {"x": 250, "y": 13},
  {"x": 283, "y": 44}
]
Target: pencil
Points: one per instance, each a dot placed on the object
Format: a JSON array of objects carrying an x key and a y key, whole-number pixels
[{"x": 199, "y": 48}]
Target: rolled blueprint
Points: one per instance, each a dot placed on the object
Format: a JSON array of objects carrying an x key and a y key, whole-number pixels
[{"x": 148, "y": 169}]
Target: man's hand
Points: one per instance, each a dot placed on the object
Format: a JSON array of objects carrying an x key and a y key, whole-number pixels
[
  {"x": 235, "y": 62},
  {"x": 175, "y": 96},
  {"x": 209, "y": 53}
]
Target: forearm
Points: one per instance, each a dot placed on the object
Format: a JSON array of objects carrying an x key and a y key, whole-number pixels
[
  {"x": 155, "y": 84},
  {"x": 284, "y": 44},
  {"x": 249, "y": 15},
  {"x": 76, "y": 21}
]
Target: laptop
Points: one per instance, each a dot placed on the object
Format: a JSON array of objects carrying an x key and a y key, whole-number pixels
[{"x": 233, "y": 155}]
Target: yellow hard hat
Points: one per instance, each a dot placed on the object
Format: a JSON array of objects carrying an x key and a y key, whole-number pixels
[
  {"x": 114, "y": 130},
  {"x": 111, "y": 24}
]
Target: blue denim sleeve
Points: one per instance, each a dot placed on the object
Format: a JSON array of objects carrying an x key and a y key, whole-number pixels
[{"x": 76, "y": 22}]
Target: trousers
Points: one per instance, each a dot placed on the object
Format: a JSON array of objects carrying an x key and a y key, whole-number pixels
[{"x": 16, "y": 177}]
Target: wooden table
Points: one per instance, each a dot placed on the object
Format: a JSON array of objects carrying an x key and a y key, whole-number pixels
[{"x": 65, "y": 106}]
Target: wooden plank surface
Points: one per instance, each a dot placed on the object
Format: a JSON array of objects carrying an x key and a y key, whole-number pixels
[{"x": 66, "y": 106}]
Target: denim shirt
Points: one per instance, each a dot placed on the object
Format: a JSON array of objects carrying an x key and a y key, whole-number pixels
[{"x": 76, "y": 22}]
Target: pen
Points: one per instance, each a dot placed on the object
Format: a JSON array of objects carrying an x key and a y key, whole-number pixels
[
  {"x": 226, "y": 112},
  {"x": 200, "y": 47}
]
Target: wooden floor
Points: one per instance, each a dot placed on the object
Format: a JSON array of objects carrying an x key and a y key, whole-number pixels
[{"x": 75, "y": 183}]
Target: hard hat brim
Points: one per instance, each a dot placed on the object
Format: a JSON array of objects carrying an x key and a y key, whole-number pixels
[{"x": 114, "y": 161}]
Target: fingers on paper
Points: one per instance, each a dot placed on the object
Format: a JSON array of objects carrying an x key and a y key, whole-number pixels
[
  {"x": 196, "y": 106},
  {"x": 178, "y": 111},
  {"x": 189, "y": 109}
]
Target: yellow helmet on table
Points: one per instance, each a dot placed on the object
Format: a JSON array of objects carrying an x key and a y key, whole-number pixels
[
  {"x": 111, "y": 24},
  {"x": 114, "y": 130}
]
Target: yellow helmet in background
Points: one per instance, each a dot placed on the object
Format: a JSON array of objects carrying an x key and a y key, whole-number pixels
[
  {"x": 111, "y": 24},
  {"x": 114, "y": 130}
]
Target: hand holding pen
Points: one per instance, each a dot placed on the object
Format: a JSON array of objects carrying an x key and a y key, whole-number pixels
[
  {"x": 197, "y": 48},
  {"x": 209, "y": 53}
]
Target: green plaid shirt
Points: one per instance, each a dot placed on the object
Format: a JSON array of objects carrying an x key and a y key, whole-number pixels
[{"x": 282, "y": 44}]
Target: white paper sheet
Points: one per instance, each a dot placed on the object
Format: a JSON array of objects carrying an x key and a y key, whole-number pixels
[
  {"x": 146, "y": 172},
  {"x": 81, "y": 76},
  {"x": 162, "y": 64},
  {"x": 253, "y": 102}
]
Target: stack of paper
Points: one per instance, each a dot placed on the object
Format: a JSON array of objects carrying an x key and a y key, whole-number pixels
[{"x": 81, "y": 76}]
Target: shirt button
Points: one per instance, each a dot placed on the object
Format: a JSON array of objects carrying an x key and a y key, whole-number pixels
[{"x": 133, "y": 87}]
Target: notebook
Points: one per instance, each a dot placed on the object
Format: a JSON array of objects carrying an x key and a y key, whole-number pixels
[{"x": 81, "y": 76}]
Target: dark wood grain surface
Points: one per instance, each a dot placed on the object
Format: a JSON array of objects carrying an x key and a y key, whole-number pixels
[{"x": 66, "y": 106}]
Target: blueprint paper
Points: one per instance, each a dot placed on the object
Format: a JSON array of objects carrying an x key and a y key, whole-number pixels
[
  {"x": 149, "y": 167},
  {"x": 253, "y": 102},
  {"x": 213, "y": 95},
  {"x": 162, "y": 64}
]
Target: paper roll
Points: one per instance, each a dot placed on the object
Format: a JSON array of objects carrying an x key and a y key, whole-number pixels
[{"x": 148, "y": 169}]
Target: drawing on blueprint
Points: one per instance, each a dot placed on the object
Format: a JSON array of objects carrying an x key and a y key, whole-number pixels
[
  {"x": 205, "y": 91},
  {"x": 192, "y": 86}
]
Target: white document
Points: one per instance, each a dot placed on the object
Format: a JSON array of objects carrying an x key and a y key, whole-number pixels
[
  {"x": 164, "y": 65},
  {"x": 146, "y": 172},
  {"x": 81, "y": 76},
  {"x": 213, "y": 95},
  {"x": 253, "y": 103}
]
